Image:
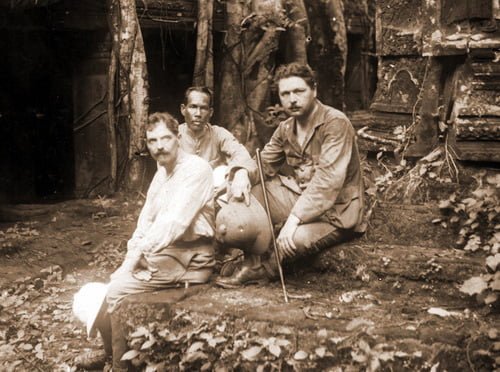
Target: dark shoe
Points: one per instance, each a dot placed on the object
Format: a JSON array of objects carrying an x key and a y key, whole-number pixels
[
  {"x": 228, "y": 268},
  {"x": 95, "y": 359},
  {"x": 231, "y": 262},
  {"x": 245, "y": 275}
]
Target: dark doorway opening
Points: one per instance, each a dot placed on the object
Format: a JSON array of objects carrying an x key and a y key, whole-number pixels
[
  {"x": 354, "y": 75},
  {"x": 170, "y": 56},
  {"x": 36, "y": 146}
]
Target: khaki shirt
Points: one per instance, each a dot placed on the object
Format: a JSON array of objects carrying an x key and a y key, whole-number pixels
[
  {"x": 219, "y": 147},
  {"x": 325, "y": 171}
]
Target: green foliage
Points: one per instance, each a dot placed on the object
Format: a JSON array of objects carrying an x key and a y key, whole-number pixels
[{"x": 182, "y": 344}]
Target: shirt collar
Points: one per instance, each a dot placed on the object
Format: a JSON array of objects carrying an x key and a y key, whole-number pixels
[{"x": 206, "y": 128}]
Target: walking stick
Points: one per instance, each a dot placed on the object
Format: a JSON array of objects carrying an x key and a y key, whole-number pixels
[{"x": 268, "y": 212}]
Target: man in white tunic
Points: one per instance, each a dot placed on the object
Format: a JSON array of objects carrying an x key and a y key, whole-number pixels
[{"x": 173, "y": 242}]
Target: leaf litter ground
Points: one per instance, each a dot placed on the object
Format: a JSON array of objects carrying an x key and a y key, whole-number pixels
[{"x": 331, "y": 322}]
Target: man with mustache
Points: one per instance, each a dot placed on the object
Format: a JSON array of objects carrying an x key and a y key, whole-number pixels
[
  {"x": 173, "y": 242},
  {"x": 314, "y": 182},
  {"x": 215, "y": 144}
]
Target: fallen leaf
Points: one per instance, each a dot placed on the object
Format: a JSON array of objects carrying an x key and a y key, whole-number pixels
[
  {"x": 493, "y": 261},
  {"x": 216, "y": 340},
  {"x": 320, "y": 351},
  {"x": 495, "y": 284},
  {"x": 438, "y": 311},
  {"x": 148, "y": 344},
  {"x": 275, "y": 350},
  {"x": 140, "y": 332},
  {"x": 195, "y": 346},
  {"x": 322, "y": 333},
  {"x": 251, "y": 353},
  {"x": 357, "y": 323},
  {"x": 129, "y": 355},
  {"x": 490, "y": 298},
  {"x": 284, "y": 331},
  {"x": 300, "y": 355},
  {"x": 193, "y": 357},
  {"x": 281, "y": 342},
  {"x": 445, "y": 204},
  {"x": 473, "y": 286},
  {"x": 493, "y": 333},
  {"x": 26, "y": 347}
]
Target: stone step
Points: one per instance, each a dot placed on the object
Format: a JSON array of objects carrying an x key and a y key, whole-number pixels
[
  {"x": 409, "y": 224},
  {"x": 324, "y": 311},
  {"x": 370, "y": 261}
]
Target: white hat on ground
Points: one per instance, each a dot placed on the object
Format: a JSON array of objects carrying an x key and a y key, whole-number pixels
[{"x": 87, "y": 302}]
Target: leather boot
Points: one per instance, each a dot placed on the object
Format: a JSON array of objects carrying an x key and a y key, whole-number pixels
[
  {"x": 92, "y": 360},
  {"x": 251, "y": 271},
  {"x": 245, "y": 275}
]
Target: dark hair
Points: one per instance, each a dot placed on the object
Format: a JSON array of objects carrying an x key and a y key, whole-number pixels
[
  {"x": 295, "y": 69},
  {"x": 199, "y": 89},
  {"x": 165, "y": 118}
]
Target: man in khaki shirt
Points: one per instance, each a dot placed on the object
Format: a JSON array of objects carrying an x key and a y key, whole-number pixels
[
  {"x": 314, "y": 186},
  {"x": 215, "y": 144}
]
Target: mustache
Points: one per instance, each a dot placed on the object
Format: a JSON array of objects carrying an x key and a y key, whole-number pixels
[{"x": 162, "y": 152}]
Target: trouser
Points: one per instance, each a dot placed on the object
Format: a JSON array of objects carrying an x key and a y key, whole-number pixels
[
  {"x": 186, "y": 262},
  {"x": 113, "y": 338},
  {"x": 309, "y": 238}
]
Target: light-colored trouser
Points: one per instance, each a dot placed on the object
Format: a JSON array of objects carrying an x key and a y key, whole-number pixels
[
  {"x": 309, "y": 237},
  {"x": 175, "y": 267}
]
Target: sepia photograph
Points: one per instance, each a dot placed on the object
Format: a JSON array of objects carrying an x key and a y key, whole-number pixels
[{"x": 250, "y": 185}]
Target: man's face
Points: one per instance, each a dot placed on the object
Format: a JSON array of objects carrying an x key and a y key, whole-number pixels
[
  {"x": 197, "y": 111},
  {"x": 296, "y": 96},
  {"x": 163, "y": 144}
]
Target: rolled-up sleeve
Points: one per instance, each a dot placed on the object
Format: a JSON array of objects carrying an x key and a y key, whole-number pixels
[
  {"x": 236, "y": 154},
  {"x": 330, "y": 173}
]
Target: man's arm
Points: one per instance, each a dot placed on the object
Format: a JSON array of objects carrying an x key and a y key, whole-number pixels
[
  {"x": 236, "y": 154},
  {"x": 273, "y": 155}
]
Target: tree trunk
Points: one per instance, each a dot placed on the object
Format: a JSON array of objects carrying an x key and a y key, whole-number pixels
[
  {"x": 335, "y": 14},
  {"x": 261, "y": 42},
  {"x": 112, "y": 71},
  {"x": 231, "y": 102},
  {"x": 299, "y": 35},
  {"x": 328, "y": 50},
  {"x": 204, "y": 66},
  {"x": 133, "y": 89}
]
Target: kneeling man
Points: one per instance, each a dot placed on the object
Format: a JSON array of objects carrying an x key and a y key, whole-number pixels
[{"x": 314, "y": 186}]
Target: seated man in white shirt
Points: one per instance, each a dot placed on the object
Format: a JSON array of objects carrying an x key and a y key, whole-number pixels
[{"x": 173, "y": 241}]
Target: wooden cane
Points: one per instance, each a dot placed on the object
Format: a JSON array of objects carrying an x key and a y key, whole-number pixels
[{"x": 268, "y": 212}]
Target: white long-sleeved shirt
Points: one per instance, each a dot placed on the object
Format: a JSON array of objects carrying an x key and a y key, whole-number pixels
[{"x": 179, "y": 206}]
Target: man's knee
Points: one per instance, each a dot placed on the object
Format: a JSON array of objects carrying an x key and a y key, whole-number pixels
[{"x": 314, "y": 237}]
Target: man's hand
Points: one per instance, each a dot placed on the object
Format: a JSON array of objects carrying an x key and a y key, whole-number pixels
[
  {"x": 143, "y": 275},
  {"x": 129, "y": 264},
  {"x": 285, "y": 243},
  {"x": 239, "y": 188}
]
